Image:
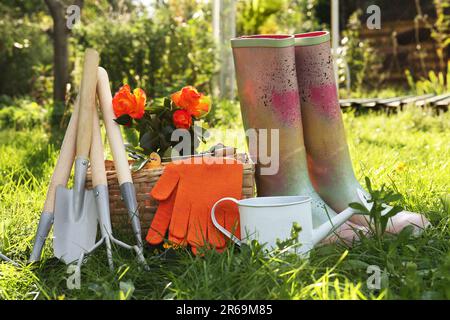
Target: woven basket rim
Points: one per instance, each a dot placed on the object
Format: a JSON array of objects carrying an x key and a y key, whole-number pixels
[{"x": 248, "y": 164}]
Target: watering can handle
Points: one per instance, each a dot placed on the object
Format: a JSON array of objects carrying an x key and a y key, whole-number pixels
[{"x": 218, "y": 226}]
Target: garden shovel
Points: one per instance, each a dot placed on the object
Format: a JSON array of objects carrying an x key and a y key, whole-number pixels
[
  {"x": 60, "y": 176},
  {"x": 75, "y": 225}
]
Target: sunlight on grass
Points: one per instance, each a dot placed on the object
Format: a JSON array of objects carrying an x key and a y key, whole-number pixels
[{"x": 408, "y": 152}]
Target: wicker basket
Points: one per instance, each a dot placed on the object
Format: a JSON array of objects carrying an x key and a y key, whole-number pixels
[{"x": 144, "y": 180}]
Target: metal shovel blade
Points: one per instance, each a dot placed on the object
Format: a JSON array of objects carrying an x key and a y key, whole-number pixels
[
  {"x": 74, "y": 232},
  {"x": 76, "y": 217}
]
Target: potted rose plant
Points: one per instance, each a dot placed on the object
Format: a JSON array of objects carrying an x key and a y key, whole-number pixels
[{"x": 156, "y": 122}]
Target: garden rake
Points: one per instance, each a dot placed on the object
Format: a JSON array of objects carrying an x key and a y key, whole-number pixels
[
  {"x": 116, "y": 144},
  {"x": 5, "y": 258},
  {"x": 100, "y": 185}
]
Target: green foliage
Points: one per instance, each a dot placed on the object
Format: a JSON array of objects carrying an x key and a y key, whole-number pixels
[
  {"x": 390, "y": 92},
  {"x": 441, "y": 278},
  {"x": 21, "y": 114},
  {"x": 408, "y": 152},
  {"x": 297, "y": 16},
  {"x": 358, "y": 61},
  {"x": 160, "y": 54},
  {"x": 292, "y": 243},
  {"x": 225, "y": 113},
  {"x": 21, "y": 7},
  {"x": 275, "y": 16},
  {"x": 155, "y": 130},
  {"x": 23, "y": 45},
  {"x": 377, "y": 213},
  {"x": 42, "y": 83},
  {"x": 437, "y": 82},
  {"x": 439, "y": 28},
  {"x": 441, "y": 32},
  {"x": 254, "y": 13}
]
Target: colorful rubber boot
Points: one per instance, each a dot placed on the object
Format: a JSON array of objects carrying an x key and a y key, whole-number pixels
[
  {"x": 329, "y": 162},
  {"x": 268, "y": 92}
]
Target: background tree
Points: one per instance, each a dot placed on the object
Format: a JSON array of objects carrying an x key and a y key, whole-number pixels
[
  {"x": 60, "y": 35},
  {"x": 24, "y": 48}
]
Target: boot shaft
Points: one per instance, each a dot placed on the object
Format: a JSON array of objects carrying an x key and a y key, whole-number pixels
[
  {"x": 268, "y": 92},
  {"x": 329, "y": 161}
]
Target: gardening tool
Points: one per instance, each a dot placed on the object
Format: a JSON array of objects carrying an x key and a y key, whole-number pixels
[
  {"x": 329, "y": 162},
  {"x": 268, "y": 92},
  {"x": 119, "y": 155},
  {"x": 5, "y": 258},
  {"x": 100, "y": 185},
  {"x": 60, "y": 176},
  {"x": 75, "y": 226},
  {"x": 258, "y": 221}
]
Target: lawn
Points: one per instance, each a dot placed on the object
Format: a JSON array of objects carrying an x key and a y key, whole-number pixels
[{"x": 409, "y": 151}]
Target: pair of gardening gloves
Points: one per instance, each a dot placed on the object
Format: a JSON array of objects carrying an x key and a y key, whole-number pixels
[{"x": 186, "y": 191}]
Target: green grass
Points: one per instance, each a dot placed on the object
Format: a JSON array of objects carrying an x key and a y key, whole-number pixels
[{"x": 409, "y": 151}]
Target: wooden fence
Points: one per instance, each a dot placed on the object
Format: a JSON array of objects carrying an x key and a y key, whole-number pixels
[
  {"x": 404, "y": 46},
  {"x": 439, "y": 103}
]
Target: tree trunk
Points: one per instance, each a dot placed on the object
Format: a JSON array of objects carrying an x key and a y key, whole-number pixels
[{"x": 60, "y": 56}]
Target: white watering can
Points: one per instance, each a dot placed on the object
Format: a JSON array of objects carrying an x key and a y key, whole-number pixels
[{"x": 268, "y": 219}]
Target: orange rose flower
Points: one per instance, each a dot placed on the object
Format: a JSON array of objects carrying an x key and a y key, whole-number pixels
[
  {"x": 182, "y": 119},
  {"x": 132, "y": 104},
  {"x": 189, "y": 99}
]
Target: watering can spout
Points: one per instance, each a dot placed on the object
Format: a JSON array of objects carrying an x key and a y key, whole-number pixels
[{"x": 331, "y": 225}]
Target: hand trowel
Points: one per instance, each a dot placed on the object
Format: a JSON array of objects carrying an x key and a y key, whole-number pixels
[{"x": 76, "y": 218}]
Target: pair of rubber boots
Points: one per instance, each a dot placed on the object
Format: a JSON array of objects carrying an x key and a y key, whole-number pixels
[{"x": 287, "y": 83}]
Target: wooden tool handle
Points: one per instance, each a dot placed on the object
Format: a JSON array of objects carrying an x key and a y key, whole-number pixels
[
  {"x": 87, "y": 102},
  {"x": 112, "y": 128},
  {"x": 97, "y": 155},
  {"x": 64, "y": 164}
]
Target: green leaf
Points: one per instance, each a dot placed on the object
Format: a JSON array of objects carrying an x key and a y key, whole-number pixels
[
  {"x": 169, "y": 152},
  {"x": 359, "y": 207},
  {"x": 126, "y": 290},
  {"x": 124, "y": 119},
  {"x": 167, "y": 103},
  {"x": 139, "y": 164},
  {"x": 149, "y": 141},
  {"x": 167, "y": 130},
  {"x": 375, "y": 195},
  {"x": 137, "y": 151},
  {"x": 164, "y": 143},
  {"x": 393, "y": 197},
  {"x": 405, "y": 234},
  {"x": 393, "y": 211},
  {"x": 157, "y": 106},
  {"x": 155, "y": 123},
  {"x": 134, "y": 149},
  {"x": 385, "y": 218},
  {"x": 355, "y": 264},
  {"x": 368, "y": 184}
]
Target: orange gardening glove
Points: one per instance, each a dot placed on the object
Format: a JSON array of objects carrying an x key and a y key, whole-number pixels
[{"x": 187, "y": 190}]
